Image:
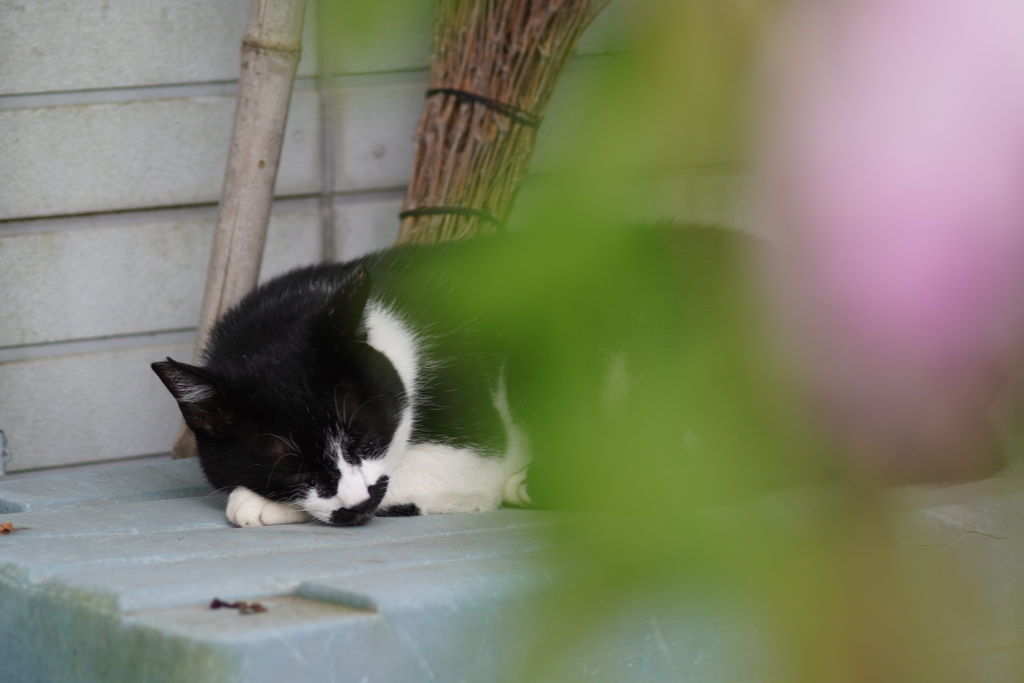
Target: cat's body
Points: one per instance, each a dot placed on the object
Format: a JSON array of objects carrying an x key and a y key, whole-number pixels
[
  {"x": 341, "y": 391},
  {"x": 415, "y": 380}
]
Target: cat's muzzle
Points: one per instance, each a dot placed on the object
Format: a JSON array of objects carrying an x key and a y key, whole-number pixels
[{"x": 361, "y": 514}]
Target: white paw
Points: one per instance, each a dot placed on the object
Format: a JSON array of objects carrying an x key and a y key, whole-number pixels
[
  {"x": 514, "y": 490},
  {"x": 246, "y": 508}
]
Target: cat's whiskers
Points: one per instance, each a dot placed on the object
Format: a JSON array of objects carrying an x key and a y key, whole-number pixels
[
  {"x": 300, "y": 492},
  {"x": 214, "y": 492},
  {"x": 287, "y": 441},
  {"x": 273, "y": 467},
  {"x": 342, "y": 414},
  {"x": 397, "y": 470}
]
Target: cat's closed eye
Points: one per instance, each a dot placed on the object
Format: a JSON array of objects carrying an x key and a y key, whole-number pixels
[{"x": 277, "y": 452}]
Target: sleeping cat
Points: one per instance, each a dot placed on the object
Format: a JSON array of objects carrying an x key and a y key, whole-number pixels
[
  {"x": 342, "y": 391},
  {"x": 400, "y": 383}
]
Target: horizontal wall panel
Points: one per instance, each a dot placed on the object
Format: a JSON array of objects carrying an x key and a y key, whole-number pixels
[
  {"x": 97, "y": 406},
  {"x": 400, "y": 41},
  {"x": 367, "y": 225},
  {"x": 709, "y": 195},
  {"x": 571, "y": 115},
  {"x": 375, "y": 119},
  {"x": 573, "y": 100},
  {"x": 67, "y": 45},
  {"x": 403, "y": 41},
  {"x": 608, "y": 32},
  {"x": 130, "y": 155},
  {"x": 373, "y": 132},
  {"x": 125, "y": 279}
]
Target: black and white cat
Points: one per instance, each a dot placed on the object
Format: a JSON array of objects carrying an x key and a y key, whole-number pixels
[
  {"x": 418, "y": 380},
  {"x": 342, "y": 391}
]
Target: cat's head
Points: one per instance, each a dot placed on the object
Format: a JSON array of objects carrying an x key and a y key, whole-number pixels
[{"x": 305, "y": 416}]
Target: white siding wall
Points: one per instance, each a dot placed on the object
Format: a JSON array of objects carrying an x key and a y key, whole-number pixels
[{"x": 115, "y": 118}]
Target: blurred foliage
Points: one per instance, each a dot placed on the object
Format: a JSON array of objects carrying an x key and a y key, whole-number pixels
[{"x": 708, "y": 479}]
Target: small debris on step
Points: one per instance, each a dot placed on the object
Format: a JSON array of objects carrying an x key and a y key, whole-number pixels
[
  {"x": 8, "y": 528},
  {"x": 242, "y": 606}
]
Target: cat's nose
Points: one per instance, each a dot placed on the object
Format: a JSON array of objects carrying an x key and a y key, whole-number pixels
[
  {"x": 360, "y": 513},
  {"x": 354, "y": 490}
]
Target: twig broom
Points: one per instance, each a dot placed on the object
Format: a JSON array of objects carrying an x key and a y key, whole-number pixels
[{"x": 494, "y": 67}]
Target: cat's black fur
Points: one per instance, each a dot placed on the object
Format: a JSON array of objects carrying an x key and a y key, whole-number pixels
[
  {"x": 303, "y": 391},
  {"x": 290, "y": 368}
]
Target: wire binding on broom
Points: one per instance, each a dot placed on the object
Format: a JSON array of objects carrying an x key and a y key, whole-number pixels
[
  {"x": 453, "y": 211},
  {"x": 515, "y": 113}
]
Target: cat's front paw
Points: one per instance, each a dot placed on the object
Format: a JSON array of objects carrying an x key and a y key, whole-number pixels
[{"x": 246, "y": 508}]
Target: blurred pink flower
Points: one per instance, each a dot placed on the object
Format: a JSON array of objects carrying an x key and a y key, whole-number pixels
[{"x": 892, "y": 180}]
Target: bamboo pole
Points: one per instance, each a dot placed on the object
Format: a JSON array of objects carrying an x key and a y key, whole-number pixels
[{"x": 270, "y": 55}]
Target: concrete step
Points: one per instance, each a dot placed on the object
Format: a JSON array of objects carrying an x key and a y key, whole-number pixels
[{"x": 109, "y": 576}]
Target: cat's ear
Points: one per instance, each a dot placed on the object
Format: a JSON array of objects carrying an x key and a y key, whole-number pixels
[
  {"x": 347, "y": 307},
  {"x": 201, "y": 401}
]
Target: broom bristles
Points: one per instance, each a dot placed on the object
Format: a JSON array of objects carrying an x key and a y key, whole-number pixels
[{"x": 495, "y": 65}]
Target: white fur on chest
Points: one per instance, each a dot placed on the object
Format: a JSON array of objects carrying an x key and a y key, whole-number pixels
[{"x": 387, "y": 333}]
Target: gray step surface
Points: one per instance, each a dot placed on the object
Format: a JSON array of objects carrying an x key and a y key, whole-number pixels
[{"x": 109, "y": 576}]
